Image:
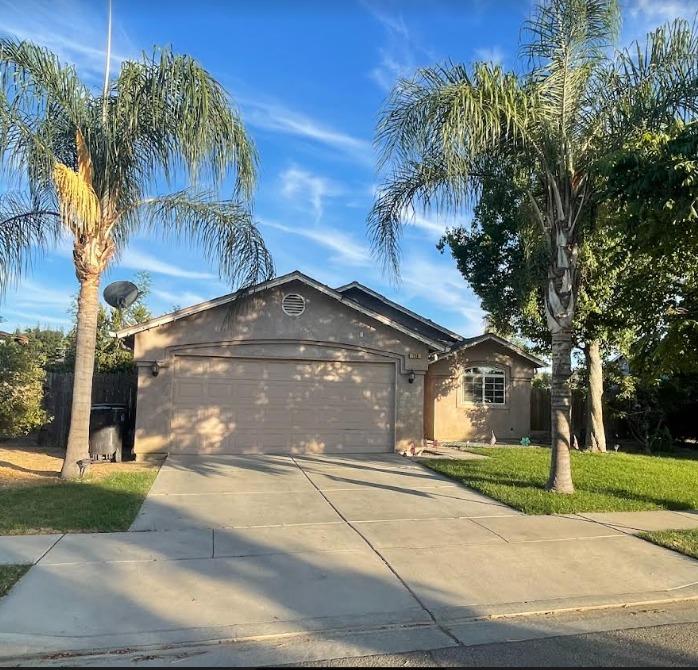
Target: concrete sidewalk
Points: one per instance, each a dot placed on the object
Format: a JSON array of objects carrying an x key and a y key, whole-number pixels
[{"x": 377, "y": 550}]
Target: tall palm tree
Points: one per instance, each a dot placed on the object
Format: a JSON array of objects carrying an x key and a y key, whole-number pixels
[
  {"x": 578, "y": 101},
  {"x": 89, "y": 163}
]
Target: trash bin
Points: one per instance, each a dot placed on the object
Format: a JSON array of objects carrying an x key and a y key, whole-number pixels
[{"x": 107, "y": 425}]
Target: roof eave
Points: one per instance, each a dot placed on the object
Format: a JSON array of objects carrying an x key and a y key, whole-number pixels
[{"x": 505, "y": 343}]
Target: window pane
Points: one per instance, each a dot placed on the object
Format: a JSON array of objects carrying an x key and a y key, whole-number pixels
[
  {"x": 494, "y": 389},
  {"x": 472, "y": 389}
]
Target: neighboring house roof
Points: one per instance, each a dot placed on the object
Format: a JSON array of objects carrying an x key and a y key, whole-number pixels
[
  {"x": 472, "y": 341},
  {"x": 379, "y": 315},
  {"x": 379, "y": 303}
]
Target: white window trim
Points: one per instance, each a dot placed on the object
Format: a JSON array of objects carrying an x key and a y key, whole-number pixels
[{"x": 482, "y": 403}]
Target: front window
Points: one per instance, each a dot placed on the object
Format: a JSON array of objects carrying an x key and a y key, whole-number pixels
[{"x": 484, "y": 385}]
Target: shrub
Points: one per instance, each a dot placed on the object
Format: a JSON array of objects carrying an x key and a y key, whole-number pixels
[{"x": 21, "y": 389}]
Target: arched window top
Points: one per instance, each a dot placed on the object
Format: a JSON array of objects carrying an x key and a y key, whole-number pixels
[
  {"x": 484, "y": 384},
  {"x": 484, "y": 370}
]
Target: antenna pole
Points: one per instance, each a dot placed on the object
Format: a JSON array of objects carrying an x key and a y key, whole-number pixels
[{"x": 106, "y": 66}]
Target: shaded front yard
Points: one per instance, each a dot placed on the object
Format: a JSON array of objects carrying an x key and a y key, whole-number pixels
[
  {"x": 609, "y": 482},
  {"x": 33, "y": 499}
]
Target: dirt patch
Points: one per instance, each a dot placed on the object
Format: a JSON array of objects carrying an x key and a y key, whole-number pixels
[{"x": 25, "y": 463}]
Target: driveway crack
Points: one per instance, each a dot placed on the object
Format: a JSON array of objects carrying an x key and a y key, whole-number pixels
[{"x": 419, "y": 601}]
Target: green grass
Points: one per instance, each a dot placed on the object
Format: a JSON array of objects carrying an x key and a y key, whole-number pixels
[
  {"x": 9, "y": 575},
  {"x": 609, "y": 482},
  {"x": 683, "y": 541},
  {"x": 106, "y": 504}
]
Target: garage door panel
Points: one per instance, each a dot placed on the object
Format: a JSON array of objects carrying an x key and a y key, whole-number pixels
[{"x": 272, "y": 406}]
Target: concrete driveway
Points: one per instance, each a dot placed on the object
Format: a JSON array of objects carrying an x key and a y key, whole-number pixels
[{"x": 367, "y": 554}]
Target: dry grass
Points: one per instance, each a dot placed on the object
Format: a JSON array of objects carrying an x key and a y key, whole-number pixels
[
  {"x": 25, "y": 463},
  {"x": 34, "y": 499}
]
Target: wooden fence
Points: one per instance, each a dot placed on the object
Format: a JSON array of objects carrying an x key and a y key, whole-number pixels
[
  {"x": 117, "y": 388},
  {"x": 540, "y": 412}
]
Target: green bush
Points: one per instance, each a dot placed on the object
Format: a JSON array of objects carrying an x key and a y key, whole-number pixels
[{"x": 21, "y": 389}]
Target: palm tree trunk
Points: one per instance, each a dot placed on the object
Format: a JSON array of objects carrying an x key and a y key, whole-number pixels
[
  {"x": 595, "y": 434},
  {"x": 560, "y": 479},
  {"x": 88, "y": 310}
]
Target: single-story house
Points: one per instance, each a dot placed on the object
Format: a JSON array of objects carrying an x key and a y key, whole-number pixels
[{"x": 294, "y": 366}]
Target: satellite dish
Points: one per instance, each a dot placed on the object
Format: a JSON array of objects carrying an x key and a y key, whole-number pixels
[{"x": 121, "y": 294}]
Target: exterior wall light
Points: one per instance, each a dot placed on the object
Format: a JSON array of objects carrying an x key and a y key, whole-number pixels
[
  {"x": 410, "y": 377},
  {"x": 155, "y": 369}
]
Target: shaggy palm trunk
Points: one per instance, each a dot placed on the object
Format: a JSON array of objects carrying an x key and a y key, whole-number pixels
[
  {"x": 595, "y": 433},
  {"x": 86, "y": 337},
  {"x": 560, "y": 479}
]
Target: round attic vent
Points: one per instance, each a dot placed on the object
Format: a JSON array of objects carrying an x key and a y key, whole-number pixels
[{"x": 293, "y": 304}]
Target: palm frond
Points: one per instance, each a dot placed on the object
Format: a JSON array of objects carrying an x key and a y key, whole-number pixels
[
  {"x": 34, "y": 79},
  {"x": 575, "y": 32},
  {"x": 462, "y": 114},
  {"x": 429, "y": 183},
  {"x": 649, "y": 85},
  {"x": 225, "y": 230},
  {"x": 26, "y": 228},
  {"x": 170, "y": 112}
]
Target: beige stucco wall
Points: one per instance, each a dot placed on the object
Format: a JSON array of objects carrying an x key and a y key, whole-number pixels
[
  {"x": 327, "y": 330},
  {"x": 449, "y": 417}
]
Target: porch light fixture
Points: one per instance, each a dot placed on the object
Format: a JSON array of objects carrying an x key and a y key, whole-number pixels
[
  {"x": 155, "y": 369},
  {"x": 410, "y": 377}
]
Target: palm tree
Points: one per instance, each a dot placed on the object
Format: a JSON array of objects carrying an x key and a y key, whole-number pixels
[
  {"x": 87, "y": 164},
  {"x": 578, "y": 101}
]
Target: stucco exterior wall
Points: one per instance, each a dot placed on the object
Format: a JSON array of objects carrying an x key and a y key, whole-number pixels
[
  {"x": 448, "y": 417},
  {"x": 327, "y": 330}
]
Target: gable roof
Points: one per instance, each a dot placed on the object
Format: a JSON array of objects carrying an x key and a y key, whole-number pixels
[
  {"x": 472, "y": 341},
  {"x": 373, "y": 300},
  {"x": 380, "y": 316}
]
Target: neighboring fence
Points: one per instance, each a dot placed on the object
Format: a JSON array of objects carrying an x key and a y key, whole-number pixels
[
  {"x": 58, "y": 396},
  {"x": 540, "y": 412}
]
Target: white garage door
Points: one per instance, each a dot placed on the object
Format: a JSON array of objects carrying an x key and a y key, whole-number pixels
[{"x": 243, "y": 405}]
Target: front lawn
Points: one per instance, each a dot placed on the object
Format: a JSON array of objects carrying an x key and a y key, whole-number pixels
[
  {"x": 9, "y": 575},
  {"x": 609, "y": 482},
  {"x": 99, "y": 503},
  {"x": 683, "y": 541}
]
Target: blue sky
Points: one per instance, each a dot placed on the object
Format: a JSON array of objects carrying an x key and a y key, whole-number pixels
[{"x": 309, "y": 77}]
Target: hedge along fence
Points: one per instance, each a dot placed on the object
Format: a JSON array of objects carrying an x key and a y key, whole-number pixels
[{"x": 119, "y": 388}]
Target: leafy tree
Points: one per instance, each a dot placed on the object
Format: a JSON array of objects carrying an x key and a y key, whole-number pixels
[
  {"x": 110, "y": 353},
  {"x": 90, "y": 160},
  {"x": 51, "y": 345},
  {"x": 653, "y": 185},
  {"x": 578, "y": 101},
  {"x": 21, "y": 388}
]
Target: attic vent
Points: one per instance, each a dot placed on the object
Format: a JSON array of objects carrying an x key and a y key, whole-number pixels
[{"x": 293, "y": 304}]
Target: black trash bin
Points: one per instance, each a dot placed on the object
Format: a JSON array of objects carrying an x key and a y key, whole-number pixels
[{"x": 107, "y": 427}]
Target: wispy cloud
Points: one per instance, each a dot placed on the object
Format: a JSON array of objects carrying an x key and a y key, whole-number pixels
[
  {"x": 434, "y": 225},
  {"x": 397, "y": 57},
  {"x": 663, "y": 10},
  {"x": 133, "y": 259},
  {"x": 445, "y": 288},
  {"x": 29, "y": 319},
  {"x": 276, "y": 117},
  {"x": 346, "y": 249},
  {"x": 643, "y": 16},
  {"x": 76, "y": 32},
  {"x": 298, "y": 183},
  {"x": 32, "y": 294},
  {"x": 182, "y": 298},
  {"x": 494, "y": 54}
]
